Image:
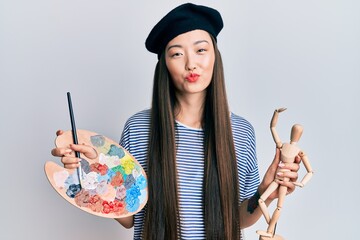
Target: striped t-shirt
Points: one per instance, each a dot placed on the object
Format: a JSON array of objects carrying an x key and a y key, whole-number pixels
[{"x": 190, "y": 167}]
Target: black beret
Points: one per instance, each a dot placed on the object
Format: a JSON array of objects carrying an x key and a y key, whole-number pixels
[{"x": 182, "y": 19}]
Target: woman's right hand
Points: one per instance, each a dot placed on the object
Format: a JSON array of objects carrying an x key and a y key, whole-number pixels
[
  {"x": 69, "y": 160},
  {"x": 67, "y": 154}
]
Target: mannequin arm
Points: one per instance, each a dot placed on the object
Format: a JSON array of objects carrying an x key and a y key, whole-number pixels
[
  {"x": 309, "y": 170},
  {"x": 273, "y": 123}
]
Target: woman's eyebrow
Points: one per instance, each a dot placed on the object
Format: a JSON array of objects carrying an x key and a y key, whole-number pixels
[
  {"x": 174, "y": 46},
  {"x": 200, "y": 41}
]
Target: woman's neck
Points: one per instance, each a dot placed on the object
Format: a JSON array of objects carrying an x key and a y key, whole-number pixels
[{"x": 190, "y": 110}]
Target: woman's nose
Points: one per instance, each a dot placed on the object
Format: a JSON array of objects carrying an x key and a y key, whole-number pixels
[
  {"x": 190, "y": 68},
  {"x": 190, "y": 64}
]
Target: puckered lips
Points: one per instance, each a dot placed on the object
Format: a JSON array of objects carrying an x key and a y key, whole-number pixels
[{"x": 192, "y": 77}]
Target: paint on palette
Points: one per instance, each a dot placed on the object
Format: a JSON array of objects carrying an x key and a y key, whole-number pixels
[{"x": 115, "y": 184}]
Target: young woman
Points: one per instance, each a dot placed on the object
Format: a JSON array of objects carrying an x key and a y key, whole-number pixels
[{"x": 200, "y": 158}]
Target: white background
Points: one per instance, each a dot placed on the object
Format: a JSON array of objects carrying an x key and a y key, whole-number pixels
[{"x": 303, "y": 55}]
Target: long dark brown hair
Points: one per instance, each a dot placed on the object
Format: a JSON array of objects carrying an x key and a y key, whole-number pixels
[{"x": 220, "y": 189}]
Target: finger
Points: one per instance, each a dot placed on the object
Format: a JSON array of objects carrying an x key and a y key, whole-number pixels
[
  {"x": 297, "y": 159},
  {"x": 60, "y": 152},
  {"x": 59, "y": 132},
  {"x": 88, "y": 151},
  {"x": 72, "y": 165},
  {"x": 291, "y": 188},
  {"x": 288, "y": 174},
  {"x": 271, "y": 171},
  {"x": 276, "y": 160},
  {"x": 290, "y": 166},
  {"x": 292, "y": 177},
  {"x": 290, "y": 185},
  {"x": 70, "y": 161}
]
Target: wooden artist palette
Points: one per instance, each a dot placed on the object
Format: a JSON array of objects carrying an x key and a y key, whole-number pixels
[{"x": 113, "y": 185}]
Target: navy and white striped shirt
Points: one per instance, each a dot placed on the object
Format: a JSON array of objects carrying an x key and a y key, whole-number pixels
[{"x": 190, "y": 167}]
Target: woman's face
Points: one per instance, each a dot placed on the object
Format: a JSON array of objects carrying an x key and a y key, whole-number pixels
[{"x": 190, "y": 60}]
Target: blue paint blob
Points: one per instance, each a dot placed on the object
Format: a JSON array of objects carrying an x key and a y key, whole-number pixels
[
  {"x": 111, "y": 173},
  {"x": 132, "y": 198},
  {"x": 129, "y": 181},
  {"x": 85, "y": 165},
  {"x": 133, "y": 205},
  {"x": 141, "y": 182},
  {"x": 116, "y": 151},
  {"x": 97, "y": 140},
  {"x": 73, "y": 190},
  {"x": 103, "y": 178},
  {"x": 143, "y": 195}
]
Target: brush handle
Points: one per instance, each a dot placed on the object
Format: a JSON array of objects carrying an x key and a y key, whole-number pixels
[{"x": 73, "y": 130}]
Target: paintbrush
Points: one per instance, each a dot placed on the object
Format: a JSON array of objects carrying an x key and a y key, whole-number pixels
[{"x": 74, "y": 134}]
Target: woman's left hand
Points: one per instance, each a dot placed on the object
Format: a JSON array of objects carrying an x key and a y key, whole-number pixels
[{"x": 271, "y": 172}]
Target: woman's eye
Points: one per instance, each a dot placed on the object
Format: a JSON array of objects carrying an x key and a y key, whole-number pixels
[
  {"x": 176, "y": 55},
  {"x": 202, "y": 50}
]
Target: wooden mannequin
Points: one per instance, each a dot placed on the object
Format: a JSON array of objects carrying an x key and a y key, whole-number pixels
[{"x": 288, "y": 153}]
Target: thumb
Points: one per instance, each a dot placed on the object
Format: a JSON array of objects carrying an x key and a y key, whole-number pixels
[
  {"x": 59, "y": 132},
  {"x": 275, "y": 163},
  {"x": 270, "y": 172}
]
